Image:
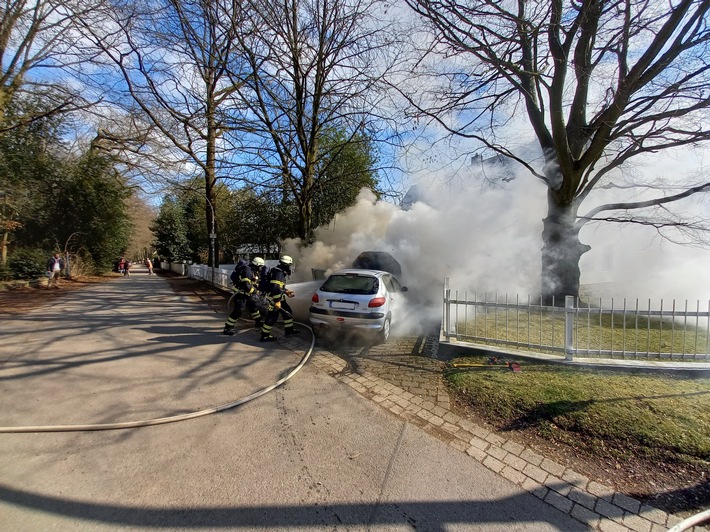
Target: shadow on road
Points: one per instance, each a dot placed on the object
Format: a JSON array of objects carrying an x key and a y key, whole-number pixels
[{"x": 433, "y": 516}]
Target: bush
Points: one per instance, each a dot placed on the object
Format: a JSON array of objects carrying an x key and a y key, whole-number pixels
[
  {"x": 82, "y": 264},
  {"x": 28, "y": 264}
]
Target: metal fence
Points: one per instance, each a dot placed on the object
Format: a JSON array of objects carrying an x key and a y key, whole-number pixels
[
  {"x": 627, "y": 329},
  {"x": 205, "y": 273}
]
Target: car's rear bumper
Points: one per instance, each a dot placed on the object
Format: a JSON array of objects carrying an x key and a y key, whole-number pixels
[
  {"x": 346, "y": 320},
  {"x": 347, "y": 314}
]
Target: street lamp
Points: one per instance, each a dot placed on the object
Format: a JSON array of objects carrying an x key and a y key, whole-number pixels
[
  {"x": 213, "y": 232},
  {"x": 213, "y": 236}
]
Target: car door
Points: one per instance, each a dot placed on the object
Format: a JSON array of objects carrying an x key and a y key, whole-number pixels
[{"x": 395, "y": 297}]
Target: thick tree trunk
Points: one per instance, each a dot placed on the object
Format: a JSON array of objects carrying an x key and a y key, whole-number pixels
[
  {"x": 561, "y": 252},
  {"x": 305, "y": 205},
  {"x": 210, "y": 181},
  {"x": 305, "y": 220},
  {"x": 3, "y": 246}
]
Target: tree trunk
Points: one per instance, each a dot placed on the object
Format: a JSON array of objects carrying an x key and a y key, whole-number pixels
[
  {"x": 210, "y": 181},
  {"x": 3, "y": 246},
  {"x": 211, "y": 222},
  {"x": 561, "y": 251},
  {"x": 305, "y": 220},
  {"x": 305, "y": 204}
]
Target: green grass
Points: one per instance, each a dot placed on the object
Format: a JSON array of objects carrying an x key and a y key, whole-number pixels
[
  {"x": 600, "y": 413},
  {"x": 648, "y": 337}
]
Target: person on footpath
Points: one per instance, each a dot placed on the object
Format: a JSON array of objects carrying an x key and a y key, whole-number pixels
[
  {"x": 245, "y": 282},
  {"x": 127, "y": 270},
  {"x": 55, "y": 265},
  {"x": 276, "y": 298},
  {"x": 149, "y": 265}
]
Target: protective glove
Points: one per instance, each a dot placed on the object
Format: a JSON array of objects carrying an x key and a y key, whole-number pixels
[
  {"x": 277, "y": 305},
  {"x": 289, "y": 293}
]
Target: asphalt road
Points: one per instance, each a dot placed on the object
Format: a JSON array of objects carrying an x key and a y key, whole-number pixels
[{"x": 310, "y": 455}]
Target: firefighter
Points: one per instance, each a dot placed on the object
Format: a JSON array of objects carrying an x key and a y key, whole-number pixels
[
  {"x": 276, "y": 300},
  {"x": 244, "y": 280},
  {"x": 262, "y": 282}
]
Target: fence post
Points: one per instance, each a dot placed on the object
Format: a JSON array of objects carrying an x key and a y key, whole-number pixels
[
  {"x": 569, "y": 327},
  {"x": 447, "y": 310}
]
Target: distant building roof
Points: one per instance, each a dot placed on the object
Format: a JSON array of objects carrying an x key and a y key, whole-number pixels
[
  {"x": 410, "y": 198},
  {"x": 496, "y": 168}
]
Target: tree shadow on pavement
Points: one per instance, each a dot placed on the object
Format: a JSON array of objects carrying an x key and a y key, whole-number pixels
[{"x": 433, "y": 516}]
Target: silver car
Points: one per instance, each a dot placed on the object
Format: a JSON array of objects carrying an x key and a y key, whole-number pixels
[{"x": 355, "y": 299}]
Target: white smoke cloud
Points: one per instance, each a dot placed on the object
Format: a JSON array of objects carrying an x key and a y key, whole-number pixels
[
  {"x": 488, "y": 239},
  {"x": 631, "y": 261},
  {"x": 485, "y": 240}
]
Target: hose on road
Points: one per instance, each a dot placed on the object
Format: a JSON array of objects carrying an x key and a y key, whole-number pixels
[{"x": 170, "y": 419}]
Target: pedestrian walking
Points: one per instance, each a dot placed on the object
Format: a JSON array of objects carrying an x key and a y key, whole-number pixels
[
  {"x": 127, "y": 268},
  {"x": 245, "y": 282},
  {"x": 149, "y": 265},
  {"x": 276, "y": 299},
  {"x": 55, "y": 265}
]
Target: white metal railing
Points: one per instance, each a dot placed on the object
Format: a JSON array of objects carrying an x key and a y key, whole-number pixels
[
  {"x": 658, "y": 330},
  {"x": 204, "y": 273}
]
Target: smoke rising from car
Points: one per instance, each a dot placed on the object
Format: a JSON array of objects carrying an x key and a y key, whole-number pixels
[{"x": 485, "y": 239}]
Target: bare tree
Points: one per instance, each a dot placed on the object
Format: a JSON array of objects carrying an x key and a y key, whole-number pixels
[
  {"x": 600, "y": 82},
  {"x": 307, "y": 69},
  {"x": 172, "y": 56},
  {"x": 38, "y": 40},
  {"x": 38, "y": 43}
]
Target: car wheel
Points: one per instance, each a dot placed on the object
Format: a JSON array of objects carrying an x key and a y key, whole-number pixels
[{"x": 385, "y": 332}]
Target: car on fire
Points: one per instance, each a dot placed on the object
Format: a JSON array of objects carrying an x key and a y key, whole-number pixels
[{"x": 358, "y": 300}]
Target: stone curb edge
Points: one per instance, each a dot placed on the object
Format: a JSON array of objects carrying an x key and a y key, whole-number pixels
[{"x": 594, "y": 504}]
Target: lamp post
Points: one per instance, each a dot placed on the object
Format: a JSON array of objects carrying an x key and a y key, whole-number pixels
[
  {"x": 213, "y": 232},
  {"x": 213, "y": 237}
]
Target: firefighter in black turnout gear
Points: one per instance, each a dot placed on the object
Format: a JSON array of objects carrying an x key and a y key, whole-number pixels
[
  {"x": 245, "y": 280},
  {"x": 276, "y": 298}
]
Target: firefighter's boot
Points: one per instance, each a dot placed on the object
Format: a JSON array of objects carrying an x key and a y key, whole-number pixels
[{"x": 228, "y": 331}]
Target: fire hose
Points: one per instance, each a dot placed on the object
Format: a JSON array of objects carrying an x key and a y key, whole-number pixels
[{"x": 169, "y": 419}]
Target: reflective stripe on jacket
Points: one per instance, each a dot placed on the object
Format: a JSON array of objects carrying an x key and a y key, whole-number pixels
[{"x": 277, "y": 284}]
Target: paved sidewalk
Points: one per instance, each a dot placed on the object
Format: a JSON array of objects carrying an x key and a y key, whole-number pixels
[{"x": 408, "y": 363}]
